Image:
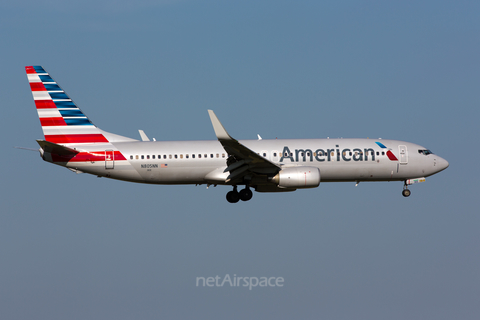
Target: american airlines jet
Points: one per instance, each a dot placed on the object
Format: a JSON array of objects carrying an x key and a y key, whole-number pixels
[{"x": 280, "y": 165}]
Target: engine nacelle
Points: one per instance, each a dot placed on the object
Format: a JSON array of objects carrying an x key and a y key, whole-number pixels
[{"x": 298, "y": 177}]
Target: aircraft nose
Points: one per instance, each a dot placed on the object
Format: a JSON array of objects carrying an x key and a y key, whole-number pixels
[{"x": 442, "y": 164}]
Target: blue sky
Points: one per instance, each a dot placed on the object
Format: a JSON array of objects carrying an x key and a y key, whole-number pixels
[{"x": 78, "y": 247}]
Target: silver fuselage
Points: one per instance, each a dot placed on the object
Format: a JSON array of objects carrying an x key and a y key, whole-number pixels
[{"x": 198, "y": 162}]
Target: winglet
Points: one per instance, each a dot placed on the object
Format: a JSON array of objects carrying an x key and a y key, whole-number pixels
[
  {"x": 143, "y": 135},
  {"x": 220, "y": 131}
]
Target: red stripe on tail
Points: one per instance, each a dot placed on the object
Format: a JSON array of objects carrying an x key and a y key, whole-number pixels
[
  {"x": 76, "y": 138},
  {"x": 47, "y": 122},
  {"x": 45, "y": 104},
  {"x": 30, "y": 69},
  {"x": 37, "y": 86}
]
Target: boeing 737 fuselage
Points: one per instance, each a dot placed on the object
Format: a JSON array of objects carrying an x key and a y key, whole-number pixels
[{"x": 279, "y": 165}]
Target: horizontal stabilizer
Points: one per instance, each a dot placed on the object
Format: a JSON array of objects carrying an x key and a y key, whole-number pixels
[{"x": 54, "y": 148}]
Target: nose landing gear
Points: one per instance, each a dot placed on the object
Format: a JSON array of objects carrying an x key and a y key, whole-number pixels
[
  {"x": 406, "y": 192},
  {"x": 234, "y": 196}
]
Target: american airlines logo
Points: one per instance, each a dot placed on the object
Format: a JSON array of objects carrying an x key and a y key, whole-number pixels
[{"x": 336, "y": 154}]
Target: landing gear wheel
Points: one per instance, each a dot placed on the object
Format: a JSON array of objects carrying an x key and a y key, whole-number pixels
[
  {"x": 406, "y": 193},
  {"x": 245, "y": 194},
  {"x": 233, "y": 196}
]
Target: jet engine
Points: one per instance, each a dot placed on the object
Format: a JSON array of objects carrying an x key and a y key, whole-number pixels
[{"x": 298, "y": 177}]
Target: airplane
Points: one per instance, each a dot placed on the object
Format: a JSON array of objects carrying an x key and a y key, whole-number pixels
[{"x": 266, "y": 165}]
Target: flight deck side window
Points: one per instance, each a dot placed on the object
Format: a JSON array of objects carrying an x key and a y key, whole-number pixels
[{"x": 425, "y": 152}]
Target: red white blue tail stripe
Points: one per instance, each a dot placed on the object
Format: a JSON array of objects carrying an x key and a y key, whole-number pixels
[{"x": 62, "y": 121}]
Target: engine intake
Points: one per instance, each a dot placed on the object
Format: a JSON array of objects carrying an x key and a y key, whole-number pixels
[{"x": 298, "y": 177}]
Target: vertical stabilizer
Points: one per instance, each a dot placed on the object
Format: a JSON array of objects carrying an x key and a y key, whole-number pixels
[{"x": 62, "y": 121}]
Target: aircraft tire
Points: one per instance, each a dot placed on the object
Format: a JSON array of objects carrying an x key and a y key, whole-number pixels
[
  {"x": 233, "y": 197},
  {"x": 245, "y": 194},
  {"x": 406, "y": 193}
]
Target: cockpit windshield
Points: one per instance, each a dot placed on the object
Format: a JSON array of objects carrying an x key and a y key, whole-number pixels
[{"x": 425, "y": 151}]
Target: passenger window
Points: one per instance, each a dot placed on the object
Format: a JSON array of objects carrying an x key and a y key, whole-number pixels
[
  {"x": 274, "y": 154},
  {"x": 383, "y": 153},
  {"x": 223, "y": 155},
  {"x": 211, "y": 155},
  {"x": 143, "y": 157},
  {"x": 193, "y": 156},
  {"x": 136, "y": 157},
  {"x": 218, "y": 155},
  {"x": 176, "y": 157},
  {"x": 199, "y": 155},
  {"x": 164, "y": 156},
  {"x": 205, "y": 155},
  {"x": 186, "y": 156},
  {"x": 153, "y": 156},
  {"x": 148, "y": 156},
  {"x": 264, "y": 154},
  {"x": 131, "y": 157},
  {"x": 170, "y": 156}
]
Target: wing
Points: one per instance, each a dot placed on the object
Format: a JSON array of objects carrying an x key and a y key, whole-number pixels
[{"x": 242, "y": 161}]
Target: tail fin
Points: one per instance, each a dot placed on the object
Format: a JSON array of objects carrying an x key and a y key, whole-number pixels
[{"x": 62, "y": 121}]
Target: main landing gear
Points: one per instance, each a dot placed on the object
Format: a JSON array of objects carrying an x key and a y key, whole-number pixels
[
  {"x": 406, "y": 192},
  {"x": 234, "y": 196}
]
